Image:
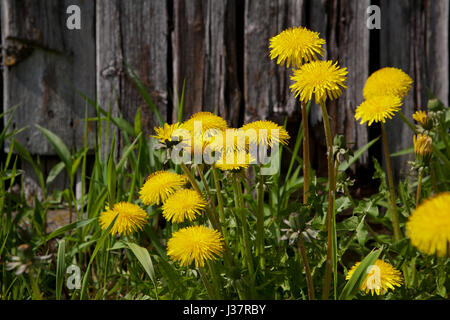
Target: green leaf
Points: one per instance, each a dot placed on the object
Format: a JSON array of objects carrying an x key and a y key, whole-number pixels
[
  {"x": 111, "y": 174},
  {"x": 60, "y": 148},
  {"x": 403, "y": 152},
  {"x": 127, "y": 151},
  {"x": 361, "y": 233},
  {"x": 56, "y": 170},
  {"x": 144, "y": 93},
  {"x": 60, "y": 264},
  {"x": 144, "y": 258},
  {"x": 346, "y": 164},
  {"x": 68, "y": 227},
  {"x": 99, "y": 245},
  {"x": 354, "y": 283}
]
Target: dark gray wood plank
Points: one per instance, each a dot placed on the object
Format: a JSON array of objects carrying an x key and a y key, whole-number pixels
[
  {"x": 204, "y": 57},
  {"x": 43, "y": 81},
  {"x": 132, "y": 33},
  {"x": 266, "y": 84},
  {"x": 414, "y": 37},
  {"x": 352, "y": 52}
]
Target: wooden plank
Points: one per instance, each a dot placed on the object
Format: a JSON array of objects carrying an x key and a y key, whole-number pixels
[
  {"x": 60, "y": 60},
  {"x": 343, "y": 25},
  {"x": 352, "y": 52},
  {"x": 414, "y": 37},
  {"x": 204, "y": 57},
  {"x": 266, "y": 84},
  {"x": 132, "y": 33},
  {"x": 188, "y": 54},
  {"x": 437, "y": 45}
]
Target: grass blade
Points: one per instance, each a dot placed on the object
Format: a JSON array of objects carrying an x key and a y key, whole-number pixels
[
  {"x": 60, "y": 265},
  {"x": 354, "y": 283}
]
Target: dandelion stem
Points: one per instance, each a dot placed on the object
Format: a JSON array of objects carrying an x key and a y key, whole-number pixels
[
  {"x": 305, "y": 154},
  {"x": 330, "y": 211},
  {"x": 309, "y": 281},
  {"x": 391, "y": 185},
  {"x": 246, "y": 242},
  {"x": 260, "y": 222},
  {"x": 214, "y": 217},
  {"x": 306, "y": 182},
  {"x": 218, "y": 194},
  {"x": 215, "y": 280},
  {"x": 190, "y": 177},
  {"x": 407, "y": 122},
  {"x": 207, "y": 285},
  {"x": 419, "y": 188}
]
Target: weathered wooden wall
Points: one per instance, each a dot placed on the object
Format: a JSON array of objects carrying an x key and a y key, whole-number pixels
[{"x": 220, "y": 50}]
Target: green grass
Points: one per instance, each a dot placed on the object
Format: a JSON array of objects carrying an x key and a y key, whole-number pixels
[{"x": 137, "y": 266}]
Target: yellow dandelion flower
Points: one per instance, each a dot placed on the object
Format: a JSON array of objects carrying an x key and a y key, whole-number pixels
[
  {"x": 183, "y": 204},
  {"x": 165, "y": 134},
  {"x": 381, "y": 277},
  {"x": 387, "y": 81},
  {"x": 235, "y": 161},
  {"x": 198, "y": 141},
  {"x": 130, "y": 218},
  {"x": 228, "y": 141},
  {"x": 421, "y": 117},
  {"x": 318, "y": 78},
  {"x": 377, "y": 109},
  {"x": 423, "y": 145},
  {"x": 208, "y": 121},
  {"x": 267, "y": 132},
  {"x": 428, "y": 226},
  {"x": 195, "y": 244},
  {"x": 160, "y": 185},
  {"x": 297, "y": 45}
]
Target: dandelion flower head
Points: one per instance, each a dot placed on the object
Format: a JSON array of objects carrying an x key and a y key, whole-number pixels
[
  {"x": 381, "y": 277},
  {"x": 266, "y": 133},
  {"x": 421, "y": 117},
  {"x": 130, "y": 218},
  {"x": 387, "y": 81},
  {"x": 183, "y": 204},
  {"x": 298, "y": 45},
  {"x": 423, "y": 145},
  {"x": 160, "y": 185},
  {"x": 195, "y": 244},
  {"x": 378, "y": 109},
  {"x": 428, "y": 226},
  {"x": 318, "y": 78}
]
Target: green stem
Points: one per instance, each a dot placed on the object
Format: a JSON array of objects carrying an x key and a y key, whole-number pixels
[
  {"x": 218, "y": 194},
  {"x": 190, "y": 177},
  {"x": 306, "y": 180},
  {"x": 330, "y": 211},
  {"x": 260, "y": 222},
  {"x": 206, "y": 283},
  {"x": 419, "y": 188},
  {"x": 407, "y": 122},
  {"x": 309, "y": 281},
  {"x": 391, "y": 186},
  {"x": 214, "y": 217},
  {"x": 215, "y": 280},
  {"x": 246, "y": 242},
  {"x": 335, "y": 249}
]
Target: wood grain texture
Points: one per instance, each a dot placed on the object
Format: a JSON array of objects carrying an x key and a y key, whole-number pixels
[
  {"x": 343, "y": 25},
  {"x": 266, "y": 84},
  {"x": 352, "y": 52},
  {"x": 43, "y": 81},
  {"x": 414, "y": 38},
  {"x": 204, "y": 57},
  {"x": 132, "y": 34}
]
